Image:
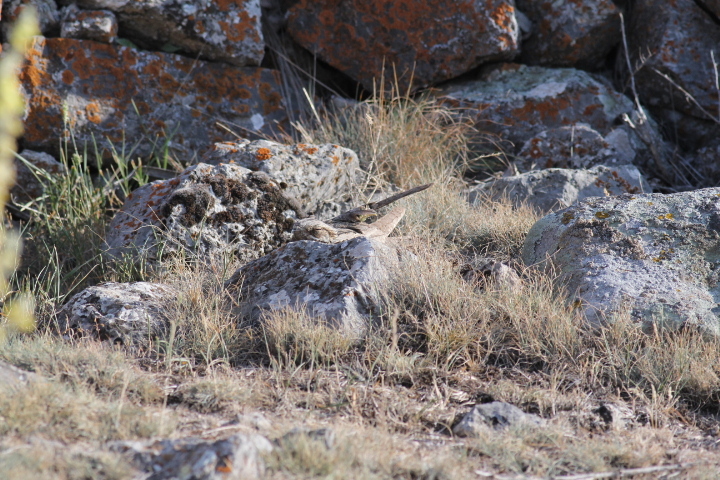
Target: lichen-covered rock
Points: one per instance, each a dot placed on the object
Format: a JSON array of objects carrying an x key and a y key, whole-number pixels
[
  {"x": 98, "y": 25},
  {"x": 517, "y": 102},
  {"x": 124, "y": 313},
  {"x": 570, "y": 33},
  {"x": 28, "y": 183},
  {"x": 654, "y": 256},
  {"x": 48, "y": 15},
  {"x": 235, "y": 458},
  {"x": 338, "y": 283},
  {"x": 313, "y": 174},
  {"x": 575, "y": 146},
  {"x": 556, "y": 188},
  {"x": 207, "y": 211},
  {"x": 675, "y": 39},
  {"x": 426, "y": 42},
  {"x": 497, "y": 415},
  {"x": 117, "y": 94},
  {"x": 227, "y": 31}
]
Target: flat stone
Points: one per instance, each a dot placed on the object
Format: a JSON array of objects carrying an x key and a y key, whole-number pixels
[
  {"x": 498, "y": 415},
  {"x": 556, "y": 188},
  {"x": 205, "y": 212},
  {"x": 517, "y": 102},
  {"x": 313, "y": 174},
  {"x": 227, "y": 31},
  {"x": 426, "y": 41},
  {"x": 178, "y": 100},
  {"x": 97, "y": 25},
  {"x": 653, "y": 256}
]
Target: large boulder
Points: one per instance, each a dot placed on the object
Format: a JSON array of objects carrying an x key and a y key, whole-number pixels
[
  {"x": 420, "y": 42},
  {"x": 109, "y": 95},
  {"x": 516, "y": 102},
  {"x": 208, "y": 212},
  {"x": 570, "y": 34},
  {"x": 124, "y": 313},
  {"x": 338, "y": 283},
  {"x": 653, "y": 256},
  {"x": 670, "y": 46},
  {"x": 313, "y": 174},
  {"x": 227, "y": 31},
  {"x": 556, "y": 188}
]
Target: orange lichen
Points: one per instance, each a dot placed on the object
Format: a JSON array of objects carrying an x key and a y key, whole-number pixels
[{"x": 263, "y": 154}]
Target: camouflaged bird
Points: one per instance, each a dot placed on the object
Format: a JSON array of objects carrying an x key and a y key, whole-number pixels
[{"x": 357, "y": 222}]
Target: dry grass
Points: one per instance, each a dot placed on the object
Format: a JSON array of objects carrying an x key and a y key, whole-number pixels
[{"x": 392, "y": 397}]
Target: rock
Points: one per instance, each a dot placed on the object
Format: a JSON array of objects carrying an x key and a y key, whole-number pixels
[
  {"x": 98, "y": 25},
  {"x": 498, "y": 415},
  {"x": 713, "y": 6},
  {"x": 517, "y": 102},
  {"x": 313, "y": 174},
  {"x": 653, "y": 256},
  {"x": 423, "y": 42},
  {"x": 555, "y": 188},
  {"x": 178, "y": 100},
  {"x": 226, "y": 31},
  {"x": 28, "y": 185},
  {"x": 706, "y": 163},
  {"x": 484, "y": 272},
  {"x": 680, "y": 37},
  {"x": 339, "y": 283},
  {"x": 10, "y": 375},
  {"x": 125, "y": 313},
  {"x": 234, "y": 458},
  {"x": 207, "y": 211},
  {"x": 570, "y": 34},
  {"x": 606, "y": 417},
  {"x": 47, "y": 14}
]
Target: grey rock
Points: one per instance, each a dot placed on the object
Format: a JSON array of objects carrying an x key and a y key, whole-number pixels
[
  {"x": 124, "y": 313},
  {"x": 517, "y": 102},
  {"x": 32, "y": 173},
  {"x": 338, "y": 283},
  {"x": 498, "y": 415},
  {"x": 570, "y": 34},
  {"x": 652, "y": 256},
  {"x": 97, "y": 25},
  {"x": 207, "y": 212},
  {"x": 235, "y": 458},
  {"x": 10, "y": 375},
  {"x": 48, "y": 15},
  {"x": 674, "y": 40},
  {"x": 229, "y": 32},
  {"x": 556, "y": 188},
  {"x": 313, "y": 174},
  {"x": 484, "y": 272}
]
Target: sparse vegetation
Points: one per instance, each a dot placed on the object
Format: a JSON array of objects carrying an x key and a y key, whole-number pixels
[{"x": 392, "y": 398}]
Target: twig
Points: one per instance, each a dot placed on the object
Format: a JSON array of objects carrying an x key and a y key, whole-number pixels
[
  {"x": 397, "y": 196},
  {"x": 628, "y": 472}
]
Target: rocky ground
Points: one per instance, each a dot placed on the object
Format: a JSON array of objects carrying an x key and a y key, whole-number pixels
[{"x": 220, "y": 291}]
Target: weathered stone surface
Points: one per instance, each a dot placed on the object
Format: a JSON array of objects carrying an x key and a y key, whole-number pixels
[
  {"x": 675, "y": 39},
  {"x": 570, "y": 33},
  {"x": 705, "y": 162},
  {"x": 656, "y": 256},
  {"x": 124, "y": 313},
  {"x": 313, "y": 174},
  {"x": 10, "y": 375},
  {"x": 712, "y": 5},
  {"x": 484, "y": 272},
  {"x": 207, "y": 211},
  {"x": 227, "y": 31},
  {"x": 27, "y": 184},
  {"x": 338, "y": 283},
  {"x": 575, "y": 146},
  {"x": 495, "y": 414},
  {"x": 47, "y": 13},
  {"x": 98, "y": 25},
  {"x": 179, "y": 99},
  {"x": 430, "y": 41},
  {"x": 517, "y": 102},
  {"x": 555, "y": 188},
  {"x": 234, "y": 458}
]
